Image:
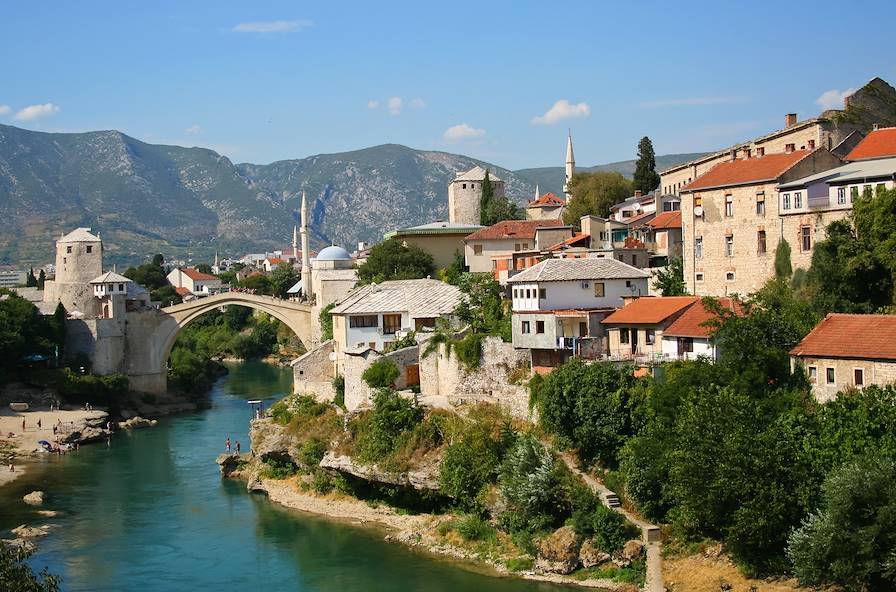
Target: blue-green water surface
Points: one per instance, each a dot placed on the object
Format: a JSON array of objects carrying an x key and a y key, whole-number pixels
[{"x": 150, "y": 512}]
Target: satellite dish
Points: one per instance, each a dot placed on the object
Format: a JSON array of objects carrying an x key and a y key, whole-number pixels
[{"x": 698, "y": 211}]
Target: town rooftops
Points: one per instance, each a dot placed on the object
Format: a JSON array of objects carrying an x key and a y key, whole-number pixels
[
  {"x": 571, "y": 241},
  {"x": 275, "y": 260},
  {"x": 196, "y": 275},
  {"x": 852, "y": 336},
  {"x": 110, "y": 277},
  {"x": 851, "y": 172},
  {"x": 879, "y": 143},
  {"x": 512, "y": 229},
  {"x": 548, "y": 200},
  {"x": 594, "y": 268},
  {"x": 438, "y": 227},
  {"x": 182, "y": 291},
  {"x": 692, "y": 321},
  {"x": 650, "y": 310},
  {"x": 666, "y": 220},
  {"x": 747, "y": 171},
  {"x": 79, "y": 235},
  {"x": 476, "y": 173},
  {"x": 424, "y": 298}
]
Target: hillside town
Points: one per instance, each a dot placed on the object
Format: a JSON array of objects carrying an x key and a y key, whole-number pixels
[{"x": 747, "y": 278}]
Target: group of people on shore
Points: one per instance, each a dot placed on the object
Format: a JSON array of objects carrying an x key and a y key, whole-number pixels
[{"x": 234, "y": 450}]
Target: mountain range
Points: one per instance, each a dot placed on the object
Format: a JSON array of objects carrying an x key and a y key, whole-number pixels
[{"x": 189, "y": 202}]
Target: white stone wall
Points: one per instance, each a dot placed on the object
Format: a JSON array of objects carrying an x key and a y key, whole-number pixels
[
  {"x": 575, "y": 294},
  {"x": 878, "y": 372}
]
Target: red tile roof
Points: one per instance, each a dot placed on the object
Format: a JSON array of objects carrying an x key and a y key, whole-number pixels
[
  {"x": 547, "y": 200},
  {"x": 182, "y": 291},
  {"x": 570, "y": 241},
  {"x": 666, "y": 220},
  {"x": 865, "y": 337},
  {"x": 650, "y": 310},
  {"x": 877, "y": 144},
  {"x": 276, "y": 260},
  {"x": 691, "y": 322},
  {"x": 638, "y": 218},
  {"x": 512, "y": 229},
  {"x": 746, "y": 171},
  {"x": 194, "y": 274}
]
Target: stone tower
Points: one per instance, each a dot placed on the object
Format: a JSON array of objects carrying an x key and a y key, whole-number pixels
[
  {"x": 570, "y": 166},
  {"x": 79, "y": 260},
  {"x": 465, "y": 193},
  {"x": 306, "y": 258}
]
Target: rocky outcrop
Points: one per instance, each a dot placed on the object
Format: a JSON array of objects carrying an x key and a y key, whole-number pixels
[
  {"x": 91, "y": 428},
  {"x": 558, "y": 552},
  {"x": 590, "y": 555},
  {"x": 633, "y": 549},
  {"x": 35, "y": 498},
  {"x": 32, "y": 532},
  {"x": 231, "y": 464},
  {"x": 425, "y": 477},
  {"x": 136, "y": 423}
]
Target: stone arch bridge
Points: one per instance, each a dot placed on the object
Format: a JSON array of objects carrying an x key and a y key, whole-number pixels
[{"x": 151, "y": 335}]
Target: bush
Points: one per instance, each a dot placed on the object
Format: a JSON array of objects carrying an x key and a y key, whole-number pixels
[
  {"x": 381, "y": 374},
  {"x": 301, "y": 406},
  {"x": 469, "y": 350},
  {"x": 470, "y": 463},
  {"x": 277, "y": 469},
  {"x": 379, "y": 431},
  {"x": 473, "y": 527},
  {"x": 16, "y": 574},
  {"x": 339, "y": 388},
  {"x": 312, "y": 452},
  {"x": 530, "y": 480}
]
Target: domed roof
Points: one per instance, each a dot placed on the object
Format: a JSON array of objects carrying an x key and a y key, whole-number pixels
[{"x": 333, "y": 253}]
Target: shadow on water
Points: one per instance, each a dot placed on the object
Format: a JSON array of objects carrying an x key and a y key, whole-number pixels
[{"x": 151, "y": 513}]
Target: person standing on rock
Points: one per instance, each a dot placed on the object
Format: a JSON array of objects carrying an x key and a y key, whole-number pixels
[
  {"x": 237, "y": 447},
  {"x": 227, "y": 444},
  {"x": 23, "y": 424}
]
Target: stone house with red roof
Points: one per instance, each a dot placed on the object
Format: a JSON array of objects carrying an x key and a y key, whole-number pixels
[
  {"x": 482, "y": 247},
  {"x": 546, "y": 207},
  {"x": 197, "y": 282},
  {"x": 848, "y": 351}
]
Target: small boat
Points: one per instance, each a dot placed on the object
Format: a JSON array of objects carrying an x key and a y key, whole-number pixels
[{"x": 19, "y": 406}]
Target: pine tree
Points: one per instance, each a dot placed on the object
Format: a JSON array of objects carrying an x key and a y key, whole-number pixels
[
  {"x": 31, "y": 281},
  {"x": 646, "y": 179}
]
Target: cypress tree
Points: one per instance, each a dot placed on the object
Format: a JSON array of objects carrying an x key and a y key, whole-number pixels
[
  {"x": 485, "y": 200},
  {"x": 31, "y": 281},
  {"x": 783, "y": 268},
  {"x": 41, "y": 279},
  {"x": 646, "y": 178}
]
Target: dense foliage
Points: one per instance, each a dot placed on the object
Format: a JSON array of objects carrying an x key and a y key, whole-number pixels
[
  {"x": 326, "y": 322},
  {"x": 593, "y": 194},
  {"x": 393, "y": 260},
  {"x": 392, "y": 416},
  {"x": 381, "y": 374},
  {"x": 670, "y": 281},
  {"x": 152, "y": 276},
  {"x": 646, "y": 178},
  {"x": 16, "y": 574},
  {"x": 482, "y": 306},
  {"x": 25, "y": 332},
  {"x": 495, "y": 208}
]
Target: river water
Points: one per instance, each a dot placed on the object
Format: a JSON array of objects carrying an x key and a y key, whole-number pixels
[{"x": 150, "y": 512}]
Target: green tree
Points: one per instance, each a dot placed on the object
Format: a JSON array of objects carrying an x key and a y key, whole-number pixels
[
  {"x": 158, "y": 260},
  {"x": 453, "y": 273},
  {"x": 783, "y": 268},
  {"x": 381, "y": 374},
  {"x": 204, "y": 268},
  {"x": 16, "y": 574},
  {"x": 30, "y": 280},
  {"x": 41, "y": 279},
  {"x": 495, "y": 208},
  {"x": 258, "y": 282},
  {"x": 393, "y": 260},
  {"x": 593, "y": 194},
  {"x": 646, "y": 178},
  {"x": 482, "y": 306},
  {"x": 670, "y": 281},
  {"x": 282, "y": 279}
]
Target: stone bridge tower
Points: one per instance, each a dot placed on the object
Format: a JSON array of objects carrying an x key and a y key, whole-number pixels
[
  {"x": 465, "y": 194},
  {"x": 79, "y": 260}
]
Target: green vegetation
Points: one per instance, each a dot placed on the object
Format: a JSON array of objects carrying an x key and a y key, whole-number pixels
[
  {"x": 380, "y": 432},
  {"x": 98, "y": 390},
  {"x": 25, "y": 332},
  {"x": 593, "y": 194},
  {"x": 381, "y": 374},
  {"x": 783, "y": 267},
  {"x": 16, "y": 574},
  {"x": 453, "y": 273},
  {"x": 152, "y": 276},
  {"x": 494, "y": 208},
  {"x": 326, "y": 322},
  {"x": 646, "y": 178},
  {"x": 670, "y": 281},
  {"x": 393, "y": 260}
]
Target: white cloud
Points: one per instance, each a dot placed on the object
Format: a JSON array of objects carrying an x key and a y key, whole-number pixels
[
  {"x": 462, "y": 131},
  {"x": 694, "y": 101},
  {"x": 5, "y": 109},
  {"x": 194, "y": 129},
  {"x": 561, "y": 110},
  {"x": 279, "y": 26},
  {"x": 373, "y": 104},
  {"x": 395, "y": 104},
  {"x": 32, "y": 112},
  {"x": 417, "y": 103},
  {"x": 834, "y": 99}
]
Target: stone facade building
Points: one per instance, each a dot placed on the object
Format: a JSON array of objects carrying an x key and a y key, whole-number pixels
[
  {"x": 465, "y": 193},
  {"x": 734, "y": 216},
  {"x": 511, "y": 236},
  {"x": 545, "y": 207},
  {"x": 79, "y": 259}
]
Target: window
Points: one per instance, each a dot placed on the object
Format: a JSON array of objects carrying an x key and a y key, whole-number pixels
[
  {"x": 760, "y": 151},
  {"x": 525, "y": 246},
  {"x": 90, "y": 248},
  {"x": 806, "y": 238},
  {"x": 542, "y": 293},
  {"x": 813, "y": 374},
  {"x": 516, "y": 247},
  {"x": 526, "y": 327},
  {"x": 798, "y": 200},
  {"x": 623, "y": 336},
  {"x": 829, "y": 375},
  {"x": 866, "y": 190},
  {"x": 729, "y": 245},
  {"x": 634, "y": 261},
  {"x": 68, "y": 249},
  {"x": 63, "y": 260},
  {"x": 785, "y": 199},
  {"x": 121, "y": 287},
  {"x": 391, "y": 323},
  {"x": 698, "y": 201},
  {"x": 516, "y": 293},
  {"x": 539, "y": 326},
  {"x": 841, "y": 195},
  {"x": 760, "y": 242},
  {"x": 363, "y": 321},
  {"x": 858, "y": 376},
  {"x": 464, "y": 186},
  {"x": 477, "y": 249},
  {"x": 599, "y": 289},
  {"x": 811, "y": 144},
  {"x": 789, "y": 147},
  {"x": 649, "y": 336},
  {"x": 729, "y": 276},
  {"x": 760, "y": 204},
  {"x": 698, "y": 247},
  {"x": 729, "y": 206},
  {"x": 528, "y": 293},
  {"x": 698, "y": 276},
  {"x": 878, "y": 188},
  {"x": 853, "y": 193}
]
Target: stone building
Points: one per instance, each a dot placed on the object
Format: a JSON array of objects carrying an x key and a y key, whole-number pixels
[
  {"x": 79, "y": 259},
  {"x": 635, "y": 331},
  {"x": 194, "y": 281},
  {"x": 545, "y": 207},
  {"x": 442, "y": 240},
  {"x": 734, "y": 216},
  {"x": 848, "y": 351},
  {"x": 511, "y": 236},
  {"x": 465, "y": 193}
]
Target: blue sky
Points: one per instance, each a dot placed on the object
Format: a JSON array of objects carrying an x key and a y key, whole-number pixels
[{"x": 264, "y": 81}]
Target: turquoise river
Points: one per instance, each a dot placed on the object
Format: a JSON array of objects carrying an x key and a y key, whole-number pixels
[{"x": 150, "y": 512}]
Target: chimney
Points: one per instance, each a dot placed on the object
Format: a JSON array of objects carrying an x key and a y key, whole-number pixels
[
  {"x": 790, "y": 119},
  {"x": 628, "y": 299},
  {"x": 638, "y": 191},
  {"x": 875, "y": 127},
  {"x": 734, "y": 154}
]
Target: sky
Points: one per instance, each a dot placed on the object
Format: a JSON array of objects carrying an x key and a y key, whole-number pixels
[{"x": 501, "y": 81}]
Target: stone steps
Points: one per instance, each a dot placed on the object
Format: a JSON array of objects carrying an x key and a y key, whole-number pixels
[{"x": 612, "y": 500}]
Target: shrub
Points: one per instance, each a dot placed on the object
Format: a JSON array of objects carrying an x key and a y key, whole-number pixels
[
  {"x": 473, "y": 527},
  {"x": 16, "y": 574},
  {"x": 302, "y": 406},
  {"x": 326, "y": 322},
  {"x": 378, "y": 432},
  {"x": 381, "y": 374},
  {"x": 277, "y": 469},
  {"x": 312, "y": 452},
  {"x": 339, "y": 387},
  {"x": 470, "y": 463},
  {"x": 530, "y": 483},
  {"x": 469, "y": 350}
]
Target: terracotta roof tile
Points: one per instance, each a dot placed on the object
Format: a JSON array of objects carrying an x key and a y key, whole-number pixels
[
  {"x": 691, "y": 322},
  {"x": 877, "y": 144},
  {"x": 747, "y": 170},
  {"x": 570, "y": 241},
  {"x": 547, "y": 200},
  {"x": 650, "y": 310},
  {"x": 666, "y": 220},
  {"x": 182, "y": 291},
  {"x": 194, "y": 274},
  {"x": 866, "y": 337},
  {"x": 512, "y": 229}
]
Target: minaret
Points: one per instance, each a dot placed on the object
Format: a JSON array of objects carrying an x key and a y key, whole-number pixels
[
  {"x": 306, "y": 264},
  {"x": 570, "y": 166},
  {"x": 216, "y": 268},
  {"x": 295, "y": 242},
  {"x": 537, "y": 193}
]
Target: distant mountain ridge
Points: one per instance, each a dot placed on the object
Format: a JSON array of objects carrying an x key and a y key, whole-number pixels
[{"x": 188, "y": 202}]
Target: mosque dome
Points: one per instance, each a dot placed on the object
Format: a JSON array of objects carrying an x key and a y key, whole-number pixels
[{"x": 333, "y": 253}]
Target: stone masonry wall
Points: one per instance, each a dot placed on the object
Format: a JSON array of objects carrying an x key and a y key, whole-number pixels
[
  {"x": 313, "y": 373},
  {"x": 357, "y": 393},
  {"x": 875, "y": 372}
]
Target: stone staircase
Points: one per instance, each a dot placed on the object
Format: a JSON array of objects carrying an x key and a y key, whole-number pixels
[{"x": 611, "y": 500}]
